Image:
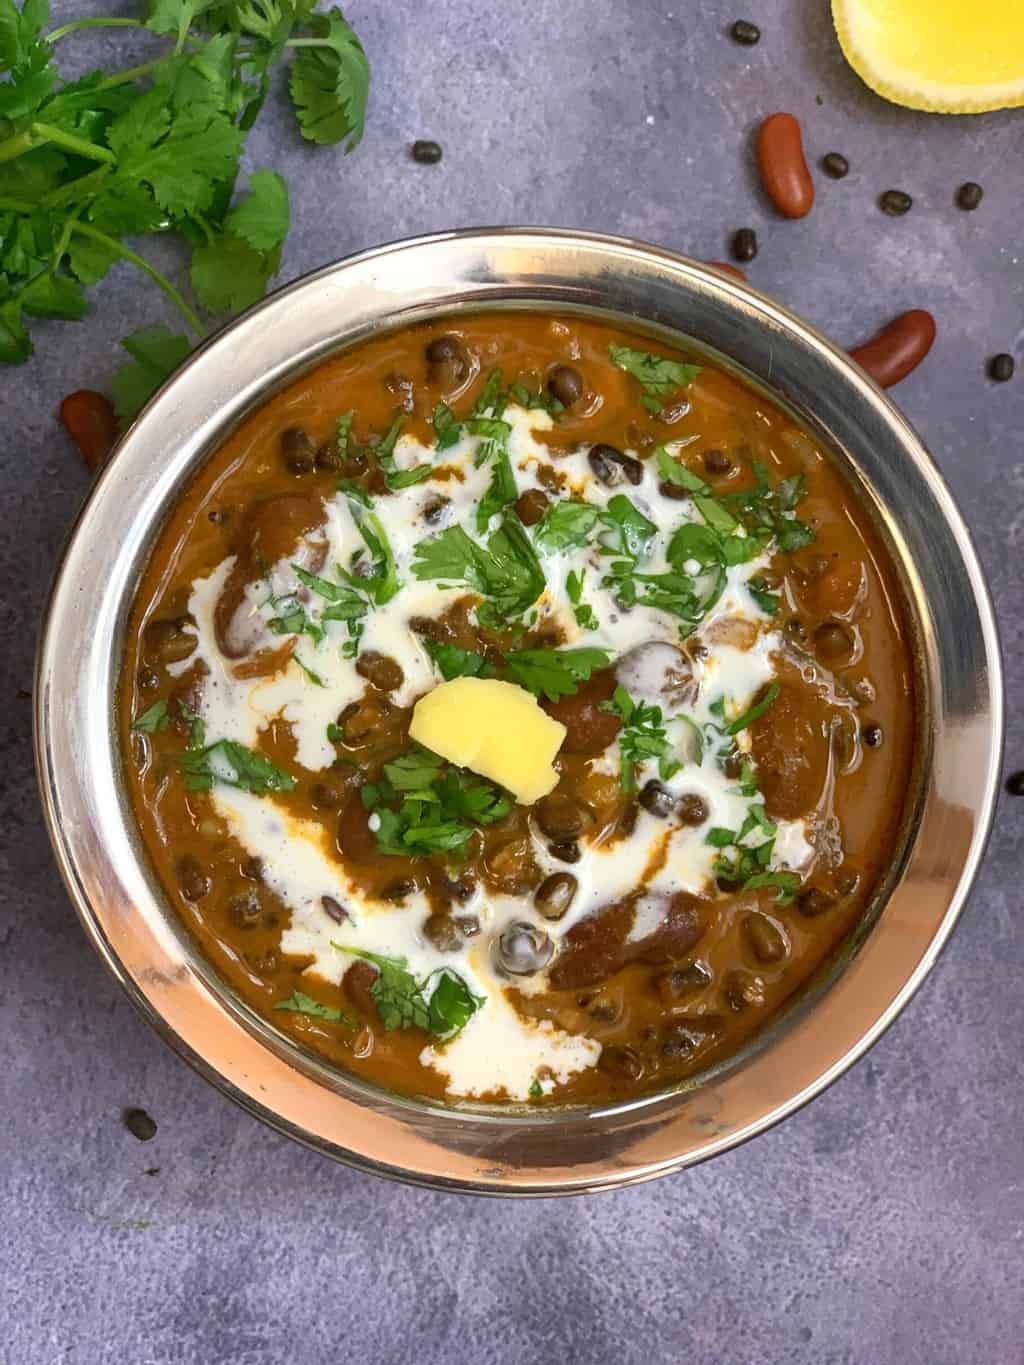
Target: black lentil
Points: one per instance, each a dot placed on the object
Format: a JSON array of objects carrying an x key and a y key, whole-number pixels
[
  {"x": 1001, "y": 367},
  {"x": 895, "y": 203},
  {"x": 426, "y": 152},
  {"x": 1015, "y": 784},
  {"x": 835, "y": 165},
  {"x": 745, "y": 33},
  {"x": 969, "y": 195},
  {"x": 140, "y": 1124},
  {"x": 744, "y": 244}
]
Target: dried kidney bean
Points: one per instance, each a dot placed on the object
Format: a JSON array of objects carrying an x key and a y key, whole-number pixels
[
  {"x": 898, "y": 348},
  {"x": 91, "y": 423},
  {"x": 782, "y": 166}
]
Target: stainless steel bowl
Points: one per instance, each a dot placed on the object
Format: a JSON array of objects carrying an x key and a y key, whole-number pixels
[{"x": 463, "y": 1147}]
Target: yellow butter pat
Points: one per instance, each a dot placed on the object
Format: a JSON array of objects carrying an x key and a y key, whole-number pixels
[{"x": 495, "y": 728}]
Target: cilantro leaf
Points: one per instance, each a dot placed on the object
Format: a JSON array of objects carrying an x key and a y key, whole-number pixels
[
  {"x": 402, "y": 1001},
  {"x": 233, "y": 764},
  {"x": 300, "y": 1003},
  {"x": 15, "y": 346},
  {"x": 554, "y": 673},
  {"x": 384, "y": 454},
  {"x": 396, "y": 992},
  {"x": 565, "y": 526},
  {"x": 674, "y": 472},
  {"x": 156, "y": 353},
  {"x": 629, "y": 532},
  {"x": 231, "y": 271},
  {"x": 786, "y": 883},
  {"x": 452, "y": 1004},
  {"x": 330, "y": 81},
  {"x": 153, "y": 720},
  {"x": 641, "y": 739},
  {"x": 447, "y": 427},
  {"x": 228, "y": 275},
  {"x": 54, "y": 296},
  {"x": 754, "y": 712},
  {"x": 659, "y": 377},
  {"x": 262, "y": 217},
  {"x": 500, "y": 493},
  {"x": 454, "y": 662},
  {"x": 506, "y": 571},
  {"x": 583, "y": 612},
  {"x": 421, "y": 806}
]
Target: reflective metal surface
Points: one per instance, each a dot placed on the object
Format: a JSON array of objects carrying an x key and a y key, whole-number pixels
[{"x": 147, "y": 947}]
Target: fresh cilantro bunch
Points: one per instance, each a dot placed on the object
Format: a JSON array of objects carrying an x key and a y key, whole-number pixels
[
  {"x": 88, "y": 166},
  {"x": 404, "y": 1002},
  {"x": 423, "y": 806}
]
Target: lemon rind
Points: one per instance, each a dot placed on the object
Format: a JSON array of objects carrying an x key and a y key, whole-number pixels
[{"x": 916, "y": 92}]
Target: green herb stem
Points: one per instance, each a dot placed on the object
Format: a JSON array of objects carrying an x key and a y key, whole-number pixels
[
  {"x": 77, "y": 24},
  {"x": 8, "y": 205},
  {"x": 161, "y": 281},
  {"x": 133, "y": 73},
  {"x": 39, "y": 134}
]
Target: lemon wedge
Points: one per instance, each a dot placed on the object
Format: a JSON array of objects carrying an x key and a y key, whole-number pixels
[{"x": 945, "y": 56}]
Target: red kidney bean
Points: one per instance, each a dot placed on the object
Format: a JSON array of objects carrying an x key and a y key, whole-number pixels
[
  {"x": 898, "y": 348},
  {"x": 783, "y": 169},
  {"x": 91, "y": 423},
  {"x": 729, "y": 269}
]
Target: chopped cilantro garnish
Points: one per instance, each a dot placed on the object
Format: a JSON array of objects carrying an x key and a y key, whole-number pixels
[
  {"x": 454, "y": 662},
  {"x": 564, "y": 526},
  {"x": 674, "y": 472},
  {"x": 404, "y": 1002},
  {"x": 659, "y": 377},
  {"x": 753, "y": 712},
  {"x": 234, "y": 765},
  {"x": 153, "y": 720},
  {"x": 447, "y": 427},
  {"x": 554, "y": 673},
  {"x": 501, "y": 491},
  {"x": 384, "y": 453},
  {"x": 528, "y": 399},
  {"x": 313, "y": 676},
  {"x": 536, "y": 1090},
  {"x": 423, "y": 806},
  {"x": 343, "y": 432},
  {"x": 767, "y": 600},
  {"x": 768, "y": 512},
  {"x": 300, "y": 1003},
  {"x": 641, "y": 739},
  {"x": 583, "y": 612},
  {"x": 492, "y": 398},
  {"x": 506, "y": 571},
  {"x": 749, "y": 865}
]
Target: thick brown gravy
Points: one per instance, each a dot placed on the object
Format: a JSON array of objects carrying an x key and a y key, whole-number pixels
[{"x": 833, "y": 749}]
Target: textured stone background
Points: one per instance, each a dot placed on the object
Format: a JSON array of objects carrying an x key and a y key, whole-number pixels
[{"x": 883, "y": 1225}]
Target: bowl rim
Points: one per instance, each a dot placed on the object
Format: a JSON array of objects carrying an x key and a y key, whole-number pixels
[{"x": 538, "y": 1152}]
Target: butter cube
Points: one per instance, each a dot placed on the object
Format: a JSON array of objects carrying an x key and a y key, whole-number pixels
[{"x": 495, "y": 728}]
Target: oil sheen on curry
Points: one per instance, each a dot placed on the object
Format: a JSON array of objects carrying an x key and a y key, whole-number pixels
[{"x": 516, "y": 711}]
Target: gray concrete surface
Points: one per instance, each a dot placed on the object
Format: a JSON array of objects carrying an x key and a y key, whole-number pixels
[{"x": 883, "y": 1225}]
